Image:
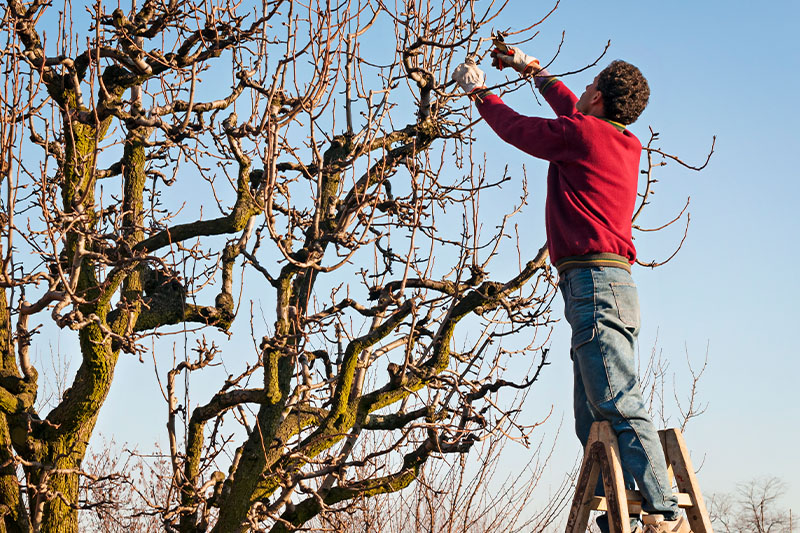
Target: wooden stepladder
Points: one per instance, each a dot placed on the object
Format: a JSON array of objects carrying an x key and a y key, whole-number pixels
[{"x": 601, "y": 457}]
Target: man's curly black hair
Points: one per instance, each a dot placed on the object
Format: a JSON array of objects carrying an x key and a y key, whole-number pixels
[{"x": 625, "y": 91}]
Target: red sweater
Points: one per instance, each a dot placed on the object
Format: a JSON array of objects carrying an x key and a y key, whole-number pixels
[{"x": 592, "y": 179}]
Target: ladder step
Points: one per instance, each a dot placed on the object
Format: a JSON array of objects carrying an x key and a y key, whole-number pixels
[{"x": 634, "y": 497}]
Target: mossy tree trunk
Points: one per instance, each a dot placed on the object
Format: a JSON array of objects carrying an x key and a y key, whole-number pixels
[{"x": 97, "y": 282}]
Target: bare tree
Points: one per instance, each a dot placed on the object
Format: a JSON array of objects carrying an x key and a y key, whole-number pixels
[
  {"x": 119, "y": 490},
  {"x": 165, "y": 163},
  {"x": 753, "y": 508}
]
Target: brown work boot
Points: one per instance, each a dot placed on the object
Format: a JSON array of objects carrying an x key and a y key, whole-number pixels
[{"x": 655, "y": 523}]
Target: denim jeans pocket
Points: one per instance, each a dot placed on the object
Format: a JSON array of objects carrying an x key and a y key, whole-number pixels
[
  {"x": 627, "y": 300},
  {"x": 579, "y": 306},
  {"x": 582, "y": 336},
  {"x": 581, "y": 285}
]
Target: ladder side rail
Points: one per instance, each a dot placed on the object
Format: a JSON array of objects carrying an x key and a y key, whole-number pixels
[
  {"x": 678, "y": 457},
  {"x": 578, "y": 518},
  {"x": 613, "y": 481}
]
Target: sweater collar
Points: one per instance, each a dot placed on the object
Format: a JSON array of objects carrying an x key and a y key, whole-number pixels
[{"x": 618, "y": 125}]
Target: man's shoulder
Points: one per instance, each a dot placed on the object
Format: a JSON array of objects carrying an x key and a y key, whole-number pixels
[{"x": 597, "y": 129}]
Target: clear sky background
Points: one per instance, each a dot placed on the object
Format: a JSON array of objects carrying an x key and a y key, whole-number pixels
[{"x": 730, "y": 69}]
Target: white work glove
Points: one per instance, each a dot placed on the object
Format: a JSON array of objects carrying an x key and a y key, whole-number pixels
[
  {"x": 469, "y": 77},
  {"x": 516, "y": 59}
]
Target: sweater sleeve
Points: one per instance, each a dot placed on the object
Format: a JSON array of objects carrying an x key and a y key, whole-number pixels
[
  {"x": 539, "y": 137},
  {"x": 558, "y": 95}
]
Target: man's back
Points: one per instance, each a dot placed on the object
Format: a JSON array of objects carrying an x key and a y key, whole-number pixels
[{"x": 591, "y": 183}]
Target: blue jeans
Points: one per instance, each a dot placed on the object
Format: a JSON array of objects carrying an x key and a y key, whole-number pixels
[{"x": 602, "y": 306}]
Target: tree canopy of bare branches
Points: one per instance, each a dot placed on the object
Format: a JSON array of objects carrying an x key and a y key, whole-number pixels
[{"x": 167, "y": 163}]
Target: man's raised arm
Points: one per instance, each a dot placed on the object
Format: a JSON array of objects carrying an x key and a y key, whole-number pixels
[
  {"x": 539, "y": 137},
  {"x": 560, "y": 98}
]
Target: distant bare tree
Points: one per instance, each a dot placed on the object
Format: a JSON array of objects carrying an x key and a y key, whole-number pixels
[
  {"x": 753, "y": 508},
  {"x": 120, "y": 488}
]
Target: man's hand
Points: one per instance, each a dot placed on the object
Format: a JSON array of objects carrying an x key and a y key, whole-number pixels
[
  {"x": 516, "y": 59},
  {"x": 469, "y": 77}
]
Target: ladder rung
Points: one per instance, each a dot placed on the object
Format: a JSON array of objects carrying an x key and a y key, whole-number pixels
[{"x": 634, "y": 497}]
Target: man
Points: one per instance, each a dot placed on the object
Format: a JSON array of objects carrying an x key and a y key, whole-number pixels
[{"x": 591, "y": 194}]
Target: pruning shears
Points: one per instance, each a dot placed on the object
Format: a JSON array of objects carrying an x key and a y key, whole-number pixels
[{"x": 498, "y": 39}]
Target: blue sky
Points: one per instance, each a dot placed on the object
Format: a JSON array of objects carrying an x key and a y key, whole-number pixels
[{"x": 728, "y": 69}]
